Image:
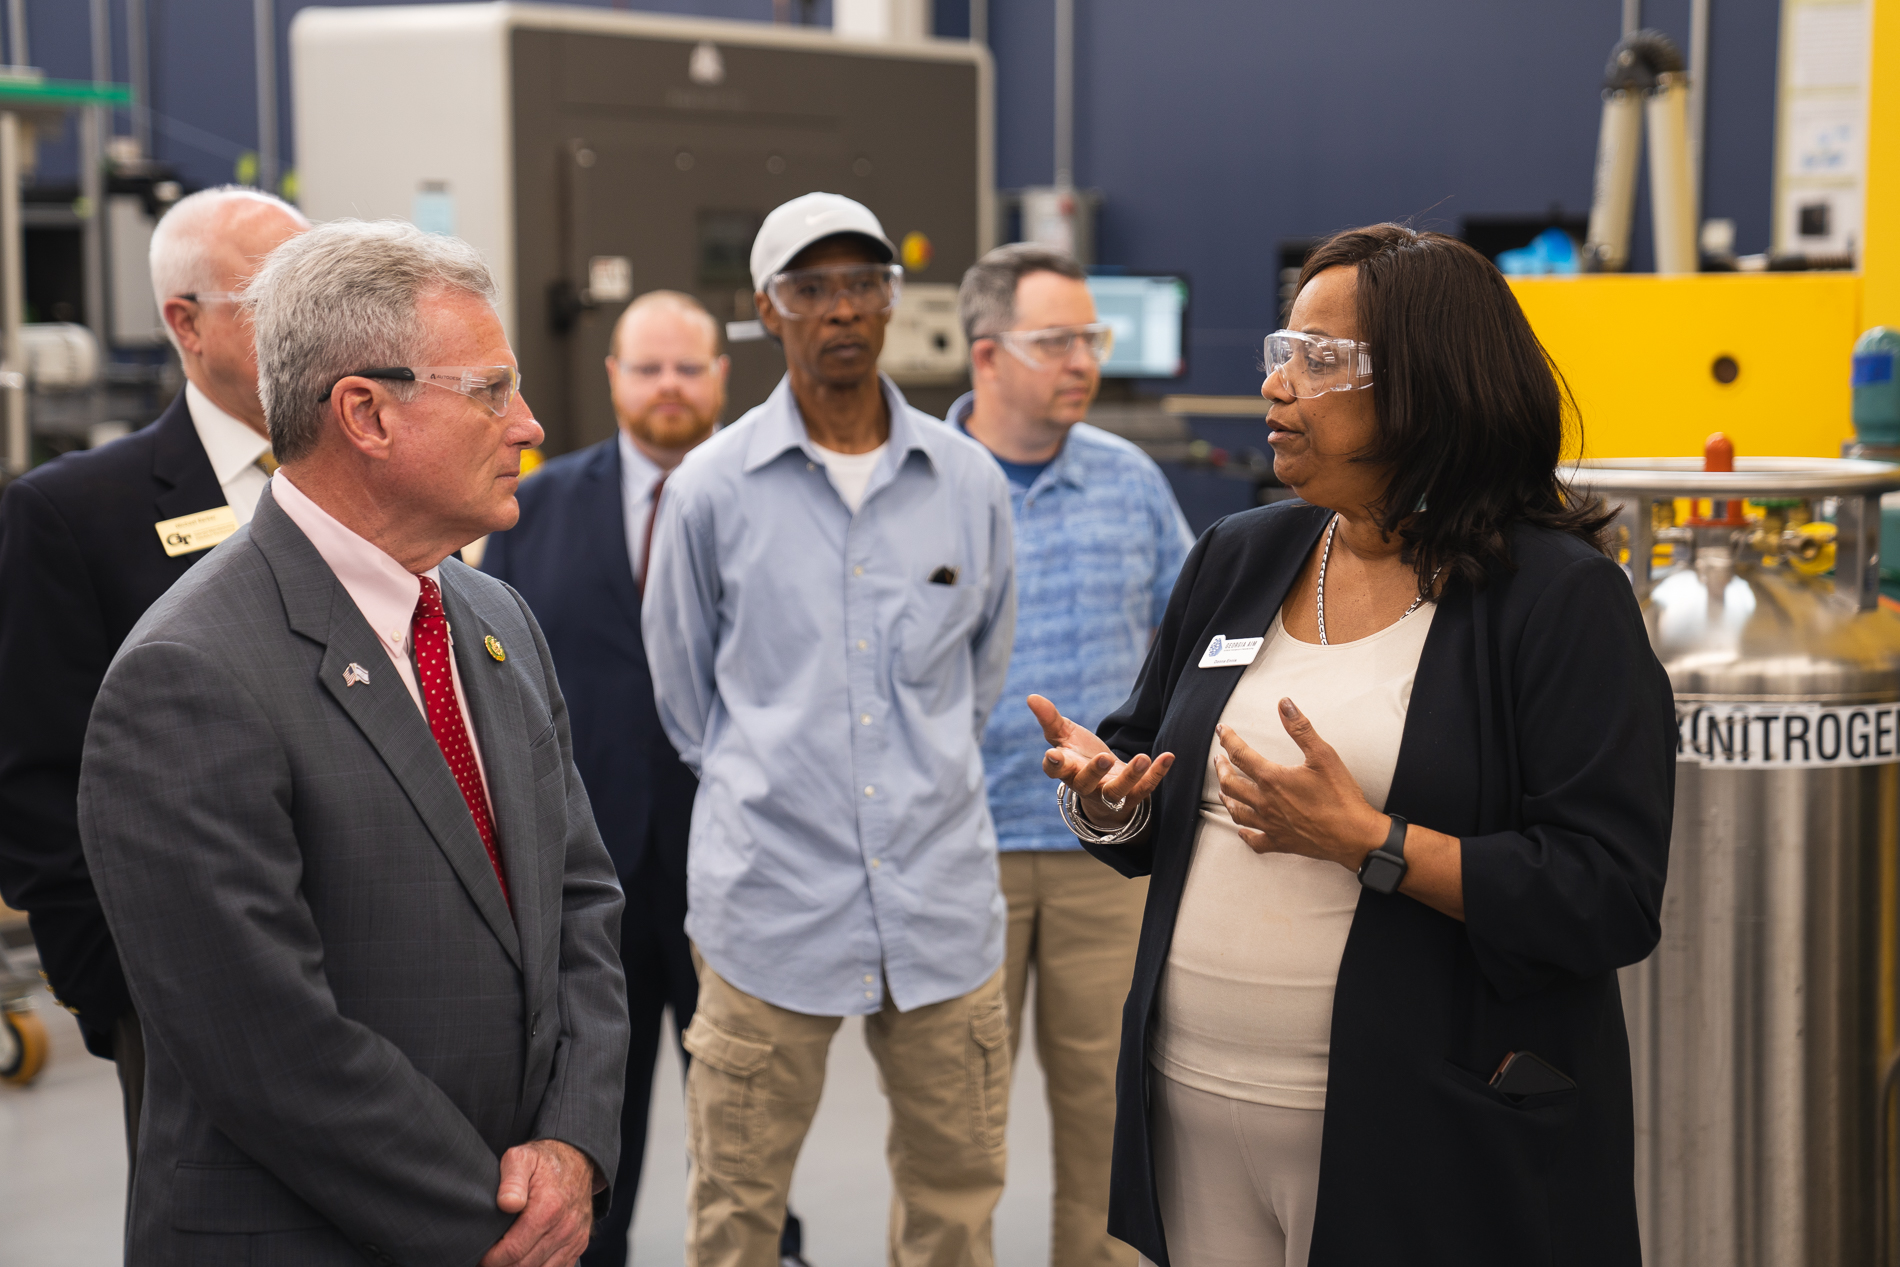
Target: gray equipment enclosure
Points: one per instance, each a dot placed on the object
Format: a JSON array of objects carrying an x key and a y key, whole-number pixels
[{"x": 593, "y": 156}]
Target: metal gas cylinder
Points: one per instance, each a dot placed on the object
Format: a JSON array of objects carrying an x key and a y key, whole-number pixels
[{"x": 1759, "y": 1026}]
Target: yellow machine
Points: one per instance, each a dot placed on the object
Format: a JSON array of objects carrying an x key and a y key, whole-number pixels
[{"x": 1656, "y": 363}]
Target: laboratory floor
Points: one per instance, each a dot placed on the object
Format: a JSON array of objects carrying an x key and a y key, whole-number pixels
[{"x": 62, "y": 1164}]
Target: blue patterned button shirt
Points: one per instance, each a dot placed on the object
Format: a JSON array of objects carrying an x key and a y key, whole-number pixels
[
  {"x": 831, "y": 694},
  {"x": 1099, "y": 541}
]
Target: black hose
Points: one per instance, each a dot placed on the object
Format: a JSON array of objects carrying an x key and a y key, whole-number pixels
[{"x": 1638, "y": 60}]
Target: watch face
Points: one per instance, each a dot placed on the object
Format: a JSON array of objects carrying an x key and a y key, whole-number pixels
[{"x": 1382, "y": 872}]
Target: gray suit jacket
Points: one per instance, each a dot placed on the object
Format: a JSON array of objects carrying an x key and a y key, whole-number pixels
[{"x": 345, "y": 1027}]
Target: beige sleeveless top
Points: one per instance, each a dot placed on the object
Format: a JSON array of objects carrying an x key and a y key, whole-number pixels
[{"x": 1246, "y": 1002}]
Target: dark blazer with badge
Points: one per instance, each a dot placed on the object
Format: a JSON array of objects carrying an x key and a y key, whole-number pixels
[
  {"x": 79, "y": 564},
  {"x": 346, "y": 1023},
  {"x": 1542, "y": 733},
  {"x": 568, "y": 558}
]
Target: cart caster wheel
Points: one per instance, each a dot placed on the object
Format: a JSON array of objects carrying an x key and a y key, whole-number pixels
[{"x": 23, "y": 1046}]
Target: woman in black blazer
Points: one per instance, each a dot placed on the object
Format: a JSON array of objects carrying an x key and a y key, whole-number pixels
[{"x": 1417, "y": 417}]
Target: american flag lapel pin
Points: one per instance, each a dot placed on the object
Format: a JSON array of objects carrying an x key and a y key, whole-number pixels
[{"x": 355, "y": 673}]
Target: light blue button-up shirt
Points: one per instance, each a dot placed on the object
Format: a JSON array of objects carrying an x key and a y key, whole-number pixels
[
  {"x": 1099, "y": 542},
  {"x": 831, "y": 696}
]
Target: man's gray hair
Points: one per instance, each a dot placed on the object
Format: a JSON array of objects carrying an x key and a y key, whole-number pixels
[
  {"x": 342, "y": 298},
  {"x": 986, "y": 302},
  {"x": 182, "y": 256}
]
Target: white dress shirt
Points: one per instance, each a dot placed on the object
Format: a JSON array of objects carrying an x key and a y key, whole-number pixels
[
  {"x": 383, "y": 590},
  {"x": 638, "y": 475},
  {"x": 233, "y": 449}
]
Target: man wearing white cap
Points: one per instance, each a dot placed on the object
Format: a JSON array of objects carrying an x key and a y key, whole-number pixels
[{"x": 828, "y": 616}]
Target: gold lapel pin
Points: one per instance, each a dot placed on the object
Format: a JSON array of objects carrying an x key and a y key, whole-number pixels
[
  {"x": 494, "y": 647},
  {"x": 355, "y": 673}
]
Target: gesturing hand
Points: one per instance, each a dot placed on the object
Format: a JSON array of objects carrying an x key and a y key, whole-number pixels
[
  {"x": 1084, "y": 762},
  {"x": 1315, "y": 808},
  {"x": 550, "y": 1186}
]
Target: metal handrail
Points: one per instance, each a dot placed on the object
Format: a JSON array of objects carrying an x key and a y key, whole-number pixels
[{"x": 1684, "y": 477}]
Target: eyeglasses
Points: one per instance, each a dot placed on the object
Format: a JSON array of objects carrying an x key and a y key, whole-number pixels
[
  {"x": 1046, "y": 349},
  {"x": 650, "y": 371},
  {"x": 1312, "y": 366},
  {"x": 212, "y": 296},
  {"x": 813, "y": 292},
  {"x": 492, "y": 386}
]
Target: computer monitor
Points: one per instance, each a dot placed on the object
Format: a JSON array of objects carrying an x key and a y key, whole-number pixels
[{"x": 1149, "y": 317}]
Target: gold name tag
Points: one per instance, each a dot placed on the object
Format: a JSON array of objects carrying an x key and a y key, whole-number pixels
[{"x": 200, "y": 531}]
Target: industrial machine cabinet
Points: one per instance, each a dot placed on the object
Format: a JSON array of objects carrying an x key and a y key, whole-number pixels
[{"x": 592, "y": 155}]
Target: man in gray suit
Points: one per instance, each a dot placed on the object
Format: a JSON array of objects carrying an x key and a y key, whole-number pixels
[{"x": 329, "y": 802}]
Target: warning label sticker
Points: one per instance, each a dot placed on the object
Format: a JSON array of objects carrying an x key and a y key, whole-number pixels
[{"x": 1789, "y": 736}]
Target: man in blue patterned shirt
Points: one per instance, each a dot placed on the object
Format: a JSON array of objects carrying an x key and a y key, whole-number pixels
[{"x": 1099, "y": 540}]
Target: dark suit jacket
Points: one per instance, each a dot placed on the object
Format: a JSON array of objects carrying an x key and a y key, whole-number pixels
[
  {"x": 347, "y": 1024},
  {"x": 1542, "y": 733},
  {"x": 79, "y": 564},
  {"x": 568, "y": 558}
]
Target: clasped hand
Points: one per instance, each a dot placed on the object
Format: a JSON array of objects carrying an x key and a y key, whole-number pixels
[{"x": 549, "y": 1186}]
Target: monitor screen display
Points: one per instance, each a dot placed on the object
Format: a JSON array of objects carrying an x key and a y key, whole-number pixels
[{"x": 1148, "y": 315}]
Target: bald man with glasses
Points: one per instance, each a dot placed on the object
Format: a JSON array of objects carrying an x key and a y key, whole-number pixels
[{"x": 87, "y": 543}]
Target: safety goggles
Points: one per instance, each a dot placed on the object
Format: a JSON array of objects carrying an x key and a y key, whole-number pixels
[
  {"x": 651, "y": 371},
  {"x": 1046, "y": 349},
  {"x": 1312, "y": 366},
  {"x": 491, "y": 386},
  {"x": 813, "y": 292}
]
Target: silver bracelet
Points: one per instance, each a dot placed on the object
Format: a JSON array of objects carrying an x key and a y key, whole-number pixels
[{"x": 1085, "y": 830}]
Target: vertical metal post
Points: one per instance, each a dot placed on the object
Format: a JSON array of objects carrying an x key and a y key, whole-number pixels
[
  {"x": 1632, "y": 16},
  {"x": 16, "y": 33},
  {"x": 138, "y": 56},
  {"x": 980, "y": 21},
  {"x": 94, "y": 124},
  {"x": 1857, "y": 551},
  {"x": 264, "y": 16},
  {"x": 1065, "y": 94},
  {"x": 1698, "y": 100},
  {"x": 1639, "y": 533},
  {"x": 12, "y": 301}
]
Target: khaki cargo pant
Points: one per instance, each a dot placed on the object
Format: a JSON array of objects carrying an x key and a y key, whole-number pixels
[
  {"x": 1076, "y": 920},
  {"x": 753, "y": 1087}
]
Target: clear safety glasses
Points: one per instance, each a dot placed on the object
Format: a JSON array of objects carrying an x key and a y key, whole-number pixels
[
  {"x": 491, "y": 386},
  {"x": 813, "y": 292},
  {"x": 1312, "y": 366},
  {"x": 212, "y": 296},
  {"x": 1046, "y": 349}
]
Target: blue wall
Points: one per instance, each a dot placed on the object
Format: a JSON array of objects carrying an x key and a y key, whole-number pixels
[{"x": 1214, "y": 128}]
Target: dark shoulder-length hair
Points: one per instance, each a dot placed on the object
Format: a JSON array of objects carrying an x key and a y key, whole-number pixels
[{"x": 1470, "y": 411}]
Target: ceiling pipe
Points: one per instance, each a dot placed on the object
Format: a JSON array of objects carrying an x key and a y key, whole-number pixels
[{"x": 1065, "y": 95}]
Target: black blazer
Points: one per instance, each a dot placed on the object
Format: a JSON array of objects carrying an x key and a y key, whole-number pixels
[
  {"x": 568, "y": 558},
  {"x": 79, "y": 564},
  {"x": 1542, "y": 733}
]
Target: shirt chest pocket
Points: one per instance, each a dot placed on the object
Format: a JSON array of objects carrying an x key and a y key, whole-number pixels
[{"x": 934, "y": 629}]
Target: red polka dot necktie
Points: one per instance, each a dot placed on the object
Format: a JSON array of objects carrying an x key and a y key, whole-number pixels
[{"x": 430, "y": 629}]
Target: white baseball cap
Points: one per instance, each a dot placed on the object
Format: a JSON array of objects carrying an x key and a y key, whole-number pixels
[{"x": 797, "y": 224}]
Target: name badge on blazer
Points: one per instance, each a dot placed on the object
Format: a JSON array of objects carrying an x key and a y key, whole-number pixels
[
  {"x": 1224, "y": 652},
  {"x": 201, "y": 530}
]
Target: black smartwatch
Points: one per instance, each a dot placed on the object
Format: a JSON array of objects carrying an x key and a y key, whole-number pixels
[{"x": 1384, "y": 868}]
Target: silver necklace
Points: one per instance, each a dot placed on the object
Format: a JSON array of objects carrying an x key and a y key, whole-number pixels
[{"x": 1326, "y": 554}]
